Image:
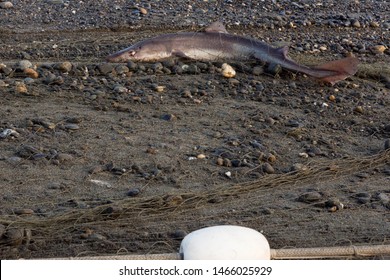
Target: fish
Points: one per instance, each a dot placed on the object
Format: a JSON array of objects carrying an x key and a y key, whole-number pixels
[{"x": 216, "y": 44}]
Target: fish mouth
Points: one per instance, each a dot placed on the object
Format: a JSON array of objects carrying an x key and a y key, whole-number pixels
[
  {"x": 121, "y": 56},
  {"x": 116, "y": 57}
]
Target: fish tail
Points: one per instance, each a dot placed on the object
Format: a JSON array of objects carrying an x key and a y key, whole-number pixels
[{"x": 338, "y": 69}]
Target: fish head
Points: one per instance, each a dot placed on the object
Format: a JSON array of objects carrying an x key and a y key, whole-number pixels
[{"x": 150, "y": 51}]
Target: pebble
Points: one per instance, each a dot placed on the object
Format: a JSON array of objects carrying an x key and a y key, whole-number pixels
[
  {"x": 271, "y": 158},
  {"x": 363, "y": 197},
  {"x": 24, "y": 212},
  {"x": 220, "y": 161},
  {"x": 334, "y": 205},
  {"x": 378, "y": 49},
  {"x": 143, "y": 10},
  {"x": 159, "y": 88},
  {"x": 227, "y": 71},
  {"x": 384, "y": 198},
  {"x": 13, "y": 237},
  {"x": 31, "y": 73},
  {"x": 298, "y": 167},
  {"x": 387, "y": 144},
  {"x": 133, "y": 192},
  {"x": 228, "y": 174},
  {"x": 8, "y": 132},
  {"x": 97, "y": 236},
  {"x": 105, "y": 68},
  {"x": 310, "y": 197},
  {"x": 267, "y": 168},
  {"x": 201, "y": 156},
  {"x": 64, "y": 67},
  {"x": 267, "y": 211},
  {"x": 21, "y": 88},
  {"x": 120, "y": 89},
  {"x": 274, "y": 69},
  {"x": 356, "y": 23},
  {"x": 168, "y": 117},
  {"x": 64, "y": 157},
  {"x": 227, "y": 162},
  {"x": 179, "y": 234},
  {"x": 24, "y": 64},
  {"x": 122, "y": 69},
  {"x": 71, "y": 126},
  {"x": 6, "y": 5}
]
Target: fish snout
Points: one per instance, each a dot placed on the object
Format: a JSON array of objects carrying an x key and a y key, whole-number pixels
[{"x": 121, "y": 56}]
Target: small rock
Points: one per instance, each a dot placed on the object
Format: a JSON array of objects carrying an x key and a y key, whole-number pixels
[
  {"x": 64, "y": 157},
  {"x": 120, "y": 89},
  {"x": 267, "y": 168},
  {"x": 96, "y": 169},
  {"x": 228, "y": 71},
  {"x": 64, "y": 67},
  {"x": 8, "y": 132},
  {"x": 267, "y": 211},
  {"x": 227, "y": 162},
  {"x": 97, "y": 236},
  {"x": 384, "y": 198},
  {"x": 378, "y": 49},
  {"x": 24, "y": 64},
  {"x": 133, "y": 192},
  {"x": 201, "y": 156},
  {"x": 71, "y": 126},
  {"x": 299, "y": 167},
  {"x": 274, "y": 69},
  {"x": 220, "y": 161},
  {"x": 179, "y": 234},
  {"x": 334, "y": 205},
  {"x": 363, "y": 175},
  {"x": 24, "y": 212},
  {"x": 143, "y": 10},
  {"x": 356, "y": 23},
  {"x": 159, "y": 88},
  {"x": 122, "y": 69},
  {"x": 21, "y": 88},
  {"x": 168, "y": 117},
  {"x": 310, "y": 197},
  {"x": 358, "y": 109},
  {"x": 217, "y": 199},
  {"x": 31, "y": 73},
  {"x": 374, "y": 24},
  {"x": 6, "y": 5},
  {"x": 13, "y": 237},
  {"x": 387, "y": 144},
  {"x": 363, "y": 197},
  {"x": 106, "y": 68}
]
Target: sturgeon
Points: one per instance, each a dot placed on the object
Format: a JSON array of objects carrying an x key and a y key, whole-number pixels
[{"x": 217, "y": 44}]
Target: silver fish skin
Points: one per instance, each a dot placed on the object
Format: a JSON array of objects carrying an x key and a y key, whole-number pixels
[{"x": 216, "y": 44}]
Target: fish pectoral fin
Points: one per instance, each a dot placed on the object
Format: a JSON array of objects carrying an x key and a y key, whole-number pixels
[
  {"x": 180, "y": 54},
  {"x": 216, "y": 27}
]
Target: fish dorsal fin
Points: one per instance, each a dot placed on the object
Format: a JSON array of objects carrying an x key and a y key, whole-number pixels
[{"x": 216, "y": 27}]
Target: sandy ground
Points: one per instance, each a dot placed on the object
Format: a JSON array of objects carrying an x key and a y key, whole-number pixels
[{"x": 99, "y": 159}]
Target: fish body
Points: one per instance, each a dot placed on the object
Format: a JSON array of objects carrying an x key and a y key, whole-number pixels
[{"x": 217, "y": 44}]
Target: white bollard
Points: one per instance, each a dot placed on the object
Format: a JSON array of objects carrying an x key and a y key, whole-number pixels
[{"x": 225, "y": 243}]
